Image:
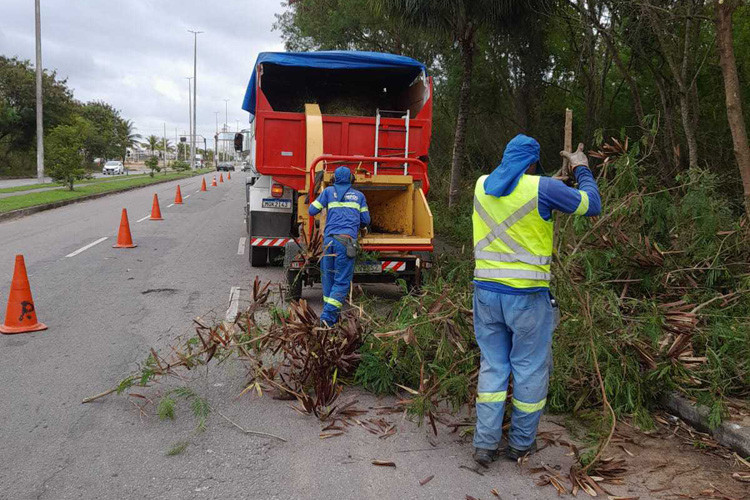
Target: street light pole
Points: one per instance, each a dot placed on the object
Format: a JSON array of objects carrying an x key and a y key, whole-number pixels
[
  {"x": 216, "y": 139},
  {"x": 226, "y": 114},
  {"x": 39, "y": 114},
  {"x": 190, "y": 113},
  {"x": 195, "y": 93}
]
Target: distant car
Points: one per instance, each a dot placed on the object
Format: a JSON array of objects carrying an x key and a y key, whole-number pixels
[
  {"x": 226, "y": 167},
  {"x": 113, "y": 168}
]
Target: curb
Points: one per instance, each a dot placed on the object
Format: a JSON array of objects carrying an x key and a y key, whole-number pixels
[
  {"x": 728, "y": 434},
  {"x": 22, "y": 212}
]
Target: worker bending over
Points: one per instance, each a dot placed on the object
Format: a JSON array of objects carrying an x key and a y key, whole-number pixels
[
  {"x": 347, "y": 212},
  {"x": 513, "y": 309}
]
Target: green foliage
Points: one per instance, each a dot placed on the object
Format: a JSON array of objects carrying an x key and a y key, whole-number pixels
[
  {"x": 65, "y": 152},
  {"x": 180, "y": 166},
  {"x": 166, "y": 407},
  {"x": 177, "y": 448},
  {"x": 152, "y": 162}
]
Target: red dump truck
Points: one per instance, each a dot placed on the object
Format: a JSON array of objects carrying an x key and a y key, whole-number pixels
[{"x": 315, "y": 111}]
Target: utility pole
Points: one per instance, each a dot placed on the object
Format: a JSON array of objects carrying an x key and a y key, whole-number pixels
[
  {"x": 164, "y": 141},
  {"x": 226, "y": 114},
  {"x": 216, "y": 140},
  {"x": 176, "y": 145},
  {"x": 190, "y": 112},
  {"x": 39, "y": 114},
  {"x": 195, "y": 93}
]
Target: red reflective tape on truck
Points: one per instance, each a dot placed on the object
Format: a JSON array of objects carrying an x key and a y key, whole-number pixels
[
  {"x": 393, "y": 265},
  {"x": 269, "y": 242}
]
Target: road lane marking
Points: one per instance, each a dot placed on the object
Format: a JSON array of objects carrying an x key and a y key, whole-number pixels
[
  {"x": 170, "y": 205},
  {"x": 187, "y": 196},
  {"x": 144, "y": 218},
  {"x": 241, "y": 246},
  {"x": 82, "y": 249},
  {"x": 234, "y": 303}
]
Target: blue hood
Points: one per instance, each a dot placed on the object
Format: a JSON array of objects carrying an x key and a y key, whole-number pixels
[
  {"x": 519, "y": 154},
  {"x": 342, "y": 182}
]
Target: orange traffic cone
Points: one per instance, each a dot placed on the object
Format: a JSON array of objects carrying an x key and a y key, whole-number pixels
[
  {"x": 221, "y": 177},
  {"x": 213, "y": 182},
  {"x": 178, "y": 196},
  {"x": 203, "y": 185},
  {"x": 124, "y": 240},
  {"x": 155, "y": 210},
  {"x": 20, "y": 317},
  {"x": 229, "y": 176}
]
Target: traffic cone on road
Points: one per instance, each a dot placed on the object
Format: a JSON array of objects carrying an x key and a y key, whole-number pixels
[
  {"x": 221, "y": 177},
  {"x": 124, "y": 240},
  {"x": 203, "y": 185},
  {"x": 178, "y": 196},
  {"x": 229, "y": 176},
  {"x": 155, "y": 210},
  {"x": 213, "y": 182},
  {"x": 20, "y": 317}
]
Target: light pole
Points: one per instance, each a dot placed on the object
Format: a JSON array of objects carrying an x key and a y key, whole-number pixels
[
  {"x": 226, "y": 115},
  {"x": 195, "y": 93},
  {"x": 216, "y": 140},
  {"x": 190, "y": 112},
  {"x": 39, "y": 114}
]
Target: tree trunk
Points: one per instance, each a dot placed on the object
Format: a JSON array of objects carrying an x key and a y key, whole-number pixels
[
  {"x": 687, "y": 124},
  {"x": 459, "y": 140},
  {"x": 724, "y": 10}
]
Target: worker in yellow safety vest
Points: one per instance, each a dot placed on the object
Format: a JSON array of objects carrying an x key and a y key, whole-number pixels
[{"x": 514, "y": 312}]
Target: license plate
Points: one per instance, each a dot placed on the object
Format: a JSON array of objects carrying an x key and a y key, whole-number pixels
[
  {"x": 367, "y": 268},
  {"x": 274, "y": 203}
]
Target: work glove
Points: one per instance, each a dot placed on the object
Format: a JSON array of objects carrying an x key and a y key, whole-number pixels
[{"x": 576, "y": 159}]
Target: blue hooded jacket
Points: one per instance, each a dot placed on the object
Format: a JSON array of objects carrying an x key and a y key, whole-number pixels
[
  {"x": 519, "y": 154},
  {"x": 347, "y": 207}
]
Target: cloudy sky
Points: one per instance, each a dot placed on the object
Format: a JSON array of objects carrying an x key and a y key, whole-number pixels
[{"x": 135, "y": 54}]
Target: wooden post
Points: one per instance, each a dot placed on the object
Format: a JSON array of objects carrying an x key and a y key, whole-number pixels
[{"x": 568, "y": 135}]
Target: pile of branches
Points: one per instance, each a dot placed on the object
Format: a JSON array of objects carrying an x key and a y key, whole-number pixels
[{"x": 289, "y": 352}]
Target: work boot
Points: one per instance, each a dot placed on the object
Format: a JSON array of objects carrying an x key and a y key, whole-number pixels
[
  {"x": 484, "y": 457},
  {"x": 514, "y": 454}
]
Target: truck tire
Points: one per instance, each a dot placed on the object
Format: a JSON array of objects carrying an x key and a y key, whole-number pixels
[
  {"x": 258, "y": 256},
  {"x": 294, "y": 285},
  {"x": 276, "y": 256}
]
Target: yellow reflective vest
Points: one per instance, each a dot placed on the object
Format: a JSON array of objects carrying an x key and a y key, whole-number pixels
[{"x": 512, "y": 242}]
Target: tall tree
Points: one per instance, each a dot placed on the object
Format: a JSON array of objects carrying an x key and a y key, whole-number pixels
[
  {"x": 461, "y": 20},
  {"x": 724, "y": 11},
  {"x": 153, "y": 142}
]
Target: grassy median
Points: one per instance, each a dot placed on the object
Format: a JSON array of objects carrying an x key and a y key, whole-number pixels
[{"x": 32, "y": 199}]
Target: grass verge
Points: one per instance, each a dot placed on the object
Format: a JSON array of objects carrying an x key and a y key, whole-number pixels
[
  {"x": 33, "y": 199},
  {"x": 33, "y": 187}
]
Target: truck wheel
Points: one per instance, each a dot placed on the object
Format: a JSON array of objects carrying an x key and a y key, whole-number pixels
[
  {"x": 294, "y": 285},
  {"x": 258, "y": 256},
  {"x": 276, "y": 256}
]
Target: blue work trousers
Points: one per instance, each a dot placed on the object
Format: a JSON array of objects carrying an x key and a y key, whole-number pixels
[
  {"x": 514, "y": 333},
  {"x": 336, "y": 273}
]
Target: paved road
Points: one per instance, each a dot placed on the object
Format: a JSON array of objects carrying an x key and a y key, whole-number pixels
[{"x": 105, "y": 307}]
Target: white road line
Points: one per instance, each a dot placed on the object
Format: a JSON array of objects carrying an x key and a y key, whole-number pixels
[
  {"x": 73, "y": 254},
  {"x": 170, "y": 205},
  {"x": 187, "y": 196},
  {"x": 241, "y": 246},
  {"x": 234, "y": 303},
  {"x": 144, "y": 218}
]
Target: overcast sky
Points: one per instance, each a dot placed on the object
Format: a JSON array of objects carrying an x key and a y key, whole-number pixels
[{"x": 135, "y": 54}]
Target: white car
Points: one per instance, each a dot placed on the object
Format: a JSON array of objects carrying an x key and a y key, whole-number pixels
[{"x": 113, "y": 168}]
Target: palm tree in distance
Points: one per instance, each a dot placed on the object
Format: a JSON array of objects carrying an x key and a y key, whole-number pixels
[
  {"x": 129, "y": 137},
  {"x": 460, "y": 20},
  {"x": 153, "y": 143}
]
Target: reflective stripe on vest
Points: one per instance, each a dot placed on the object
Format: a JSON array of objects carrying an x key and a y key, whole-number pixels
[
  {"x": 344, "y": 204},
  {"x": 499, "y": 256}
]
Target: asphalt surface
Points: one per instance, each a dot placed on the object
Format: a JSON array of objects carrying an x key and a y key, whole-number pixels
[{"x": 106, "y": 307}]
